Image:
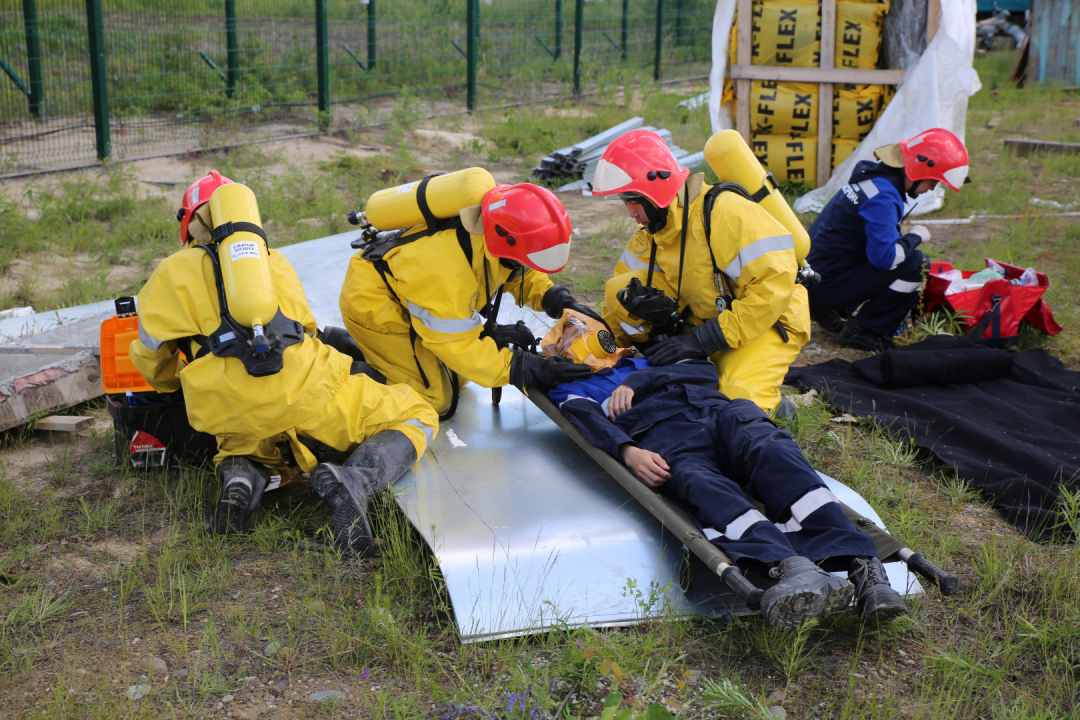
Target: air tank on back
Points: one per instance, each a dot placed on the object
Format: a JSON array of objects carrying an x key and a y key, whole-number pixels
[
  {"x": 732, "y": 160},
  {"x": 397, "y": 207}
]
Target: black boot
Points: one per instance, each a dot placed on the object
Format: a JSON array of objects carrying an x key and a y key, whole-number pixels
[
  {"x": 875, "y": 600},
  {"x": 804, "y": 591},
  {"x": 372, "y": 468},
  {"x": 827, "y": 319},
  {"x": 854, "y": 335},
  {"x": 242, "y": 486}
]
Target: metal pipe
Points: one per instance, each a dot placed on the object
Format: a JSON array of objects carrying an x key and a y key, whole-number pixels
[
  {"x": 322, "y": 56},
  {"x": 98, "y": 79},
  {"x": 658, "y": 62},
  {"x": 232, "y": 49},
  {"x": 33, "y": 57},
  {"x": 471, "y": 33},
  {"x": 579, "y": 22}
]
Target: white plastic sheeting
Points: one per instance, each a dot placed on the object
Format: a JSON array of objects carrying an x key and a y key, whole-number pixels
[{"x": 934, "y": 94}]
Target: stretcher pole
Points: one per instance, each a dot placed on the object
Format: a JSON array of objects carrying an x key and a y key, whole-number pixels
[{"x": 670, "y": 515}]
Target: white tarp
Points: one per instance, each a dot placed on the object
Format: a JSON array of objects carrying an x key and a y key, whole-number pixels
[{"x": 934, "y": 94}]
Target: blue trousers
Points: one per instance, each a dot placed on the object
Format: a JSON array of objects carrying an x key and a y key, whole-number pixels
[
  {"x": 717, "y": 453},
  {"x": 888, "y": 294}
]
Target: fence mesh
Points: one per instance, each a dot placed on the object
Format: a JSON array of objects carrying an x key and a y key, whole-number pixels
[{"x": 178, "y": 80}]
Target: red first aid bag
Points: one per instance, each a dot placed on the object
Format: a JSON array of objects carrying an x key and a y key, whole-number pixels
[{"x": 994, "y": 311}]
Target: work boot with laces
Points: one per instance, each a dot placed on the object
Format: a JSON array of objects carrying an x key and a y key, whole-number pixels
[
  {"x": 875, "y": 599},
  {"x": 855, "y": 335},
  {"x": 242, "y": 486},
  {"x": 804, "y": 591},
  {"x": 829, "y": 320},
  {"x": 373, "y": 467}
]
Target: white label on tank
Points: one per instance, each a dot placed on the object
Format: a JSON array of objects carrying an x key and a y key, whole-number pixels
[
  {"x": 405, "y": 188},
  {"x": 244, "y": 249},
  {"x": 226, "y": 337}
]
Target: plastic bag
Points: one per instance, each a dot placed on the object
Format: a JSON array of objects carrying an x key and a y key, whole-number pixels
[{"x": 584, "y": 340}]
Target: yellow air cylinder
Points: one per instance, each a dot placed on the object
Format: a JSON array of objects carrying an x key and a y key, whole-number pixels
[
  {"x": 396, "y": 207},
  {"x": 245, "y": 260},
  {"x": 731, "y": 159}
]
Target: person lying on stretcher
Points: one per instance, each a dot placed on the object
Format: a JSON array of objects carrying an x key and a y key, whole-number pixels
[{"x": 707, "y": 453}]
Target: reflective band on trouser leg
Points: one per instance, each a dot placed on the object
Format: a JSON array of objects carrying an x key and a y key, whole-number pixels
[
  {"x": 737, "y": 527},
  {"x": 805, "y": 505},
  {"x": 819, "y": 529},
  {"x": 756, "y": 249},
  {"x": 904, "y": 286}
]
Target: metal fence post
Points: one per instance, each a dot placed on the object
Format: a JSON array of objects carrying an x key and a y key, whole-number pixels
[
  {"x": 232, "y": 49},
  {"x": 471, "y": 35},
  {"x": 579, "y": 21},
  {"x": 98, "y": 78},
  {"x": 33, "y": 56},
  {"x": 678, "y": 22},
  {"x": 625, "y": 25},
  {"x": 371, "y": 35},
  {"x": 657, "y": 64},
  {"x": 322, "y": 56},
  {"x": 558, "y": 29}
]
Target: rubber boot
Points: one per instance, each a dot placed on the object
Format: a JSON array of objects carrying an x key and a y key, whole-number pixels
[
  {"x": 242, "y": 486},
  {"x": 854, "y": 335},
  {"x": 804, "y": 591},
  {"x": 342, "y": 341},
  {"x": 372, "y": 468},
  {"x": 875, "y": 599},
  {"x": 829, "y": 320}
]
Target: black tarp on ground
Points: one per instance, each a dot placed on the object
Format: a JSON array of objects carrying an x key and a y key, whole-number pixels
[{"x": 1015, "y": 434}]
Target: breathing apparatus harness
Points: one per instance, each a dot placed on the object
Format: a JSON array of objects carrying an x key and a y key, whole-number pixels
[
  {"x": 724, "y": 285},
  {"x": 260, "y": 349},
  {"x": 375, "y": 244}
]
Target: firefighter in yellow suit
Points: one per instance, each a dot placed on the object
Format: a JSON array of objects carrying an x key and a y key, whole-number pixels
[
  {"x": 418, "y": 307},
  {"x": 312, "y": 394},
  {"x": 731, "y": 296}
]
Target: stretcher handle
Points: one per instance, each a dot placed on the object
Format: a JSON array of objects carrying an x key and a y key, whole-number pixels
[
  {"x": 916, "y": 561},
  {"x": 750, "y": 593}
]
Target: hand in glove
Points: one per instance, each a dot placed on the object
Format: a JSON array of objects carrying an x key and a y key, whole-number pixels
[
  {"x": 705, "y": 340},
  {"x": 528, "y": 368},
  {"x": 558, "y": 298},
  {"x": 517, "y": 334},
  {"x": 650, "y": 304}
]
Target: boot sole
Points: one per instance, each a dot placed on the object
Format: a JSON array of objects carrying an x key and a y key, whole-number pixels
[
  {"x": 838, "y": 597},
  {"x": 352, "y": 531},
  {"x": 791, "y": 610}
]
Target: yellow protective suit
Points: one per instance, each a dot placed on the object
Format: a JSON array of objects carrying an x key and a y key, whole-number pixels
[
  {"x": 313, "y": 395},
  {"x": 437, "y": 293},
  {"x": 757, "y": 255}
]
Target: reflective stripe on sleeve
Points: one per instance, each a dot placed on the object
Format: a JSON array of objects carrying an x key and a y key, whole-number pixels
[
  {"x": 900, "y": 256},
  {"x": 868, "y": 187},
  {"x": 756, "y": 249},
  {"x": 444, "y": 325},
  {"x": 741, "y": 524},
  {"x": 428, "y": 432},
  {"x": 632, "y": 261},
  {"x": 150, "y": 342},
  {"x": 905, "y": 286}
]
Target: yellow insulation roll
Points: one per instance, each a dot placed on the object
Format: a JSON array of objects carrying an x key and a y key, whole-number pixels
[
  {"x": 787, "y": 33},
  {"x": 783, "y": 108},
  {"x": 446, "y": 195},
  {"x": 841, "y": 151},
  {"x": 244, "y": 257},
  {"x": 787, "y": 158},
  {"x": 855, "y": 110},
  {"x": 859, "y": 29},
  {"x": 732, "y": 161}
]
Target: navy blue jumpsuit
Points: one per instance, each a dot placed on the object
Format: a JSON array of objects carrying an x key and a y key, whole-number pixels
[
  {"x": 716, "y": 448},
  {"x": 857, "y": 248}
]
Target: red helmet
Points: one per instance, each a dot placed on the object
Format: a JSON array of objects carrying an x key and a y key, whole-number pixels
[
  {"x": 527, "y": 223},
  {"x": 198, "y": 193},
  {"x": 936, "y": 154},
  {"x": 640, "y": 162}
]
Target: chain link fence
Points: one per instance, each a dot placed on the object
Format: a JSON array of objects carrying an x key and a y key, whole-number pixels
[{"x": 86, "y": 80}]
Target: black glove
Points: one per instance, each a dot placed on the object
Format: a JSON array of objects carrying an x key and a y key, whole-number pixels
[
  {"x": 650, "y": 304},
  {"x": 528, "y": 368},
  {"x": 517, "y": 334},
  {"x": 558, "y": 298},
  {"x": 705, "y": 340}
]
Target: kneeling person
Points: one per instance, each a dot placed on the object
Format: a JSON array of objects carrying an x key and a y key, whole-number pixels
[
  {"x": 253, "y": 372},
  {"x": 707, "y": 453}
]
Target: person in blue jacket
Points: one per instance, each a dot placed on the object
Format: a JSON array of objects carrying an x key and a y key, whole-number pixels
[
  {"x": 857, "y": 248},
  {"x": 680, "y": 436}
]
